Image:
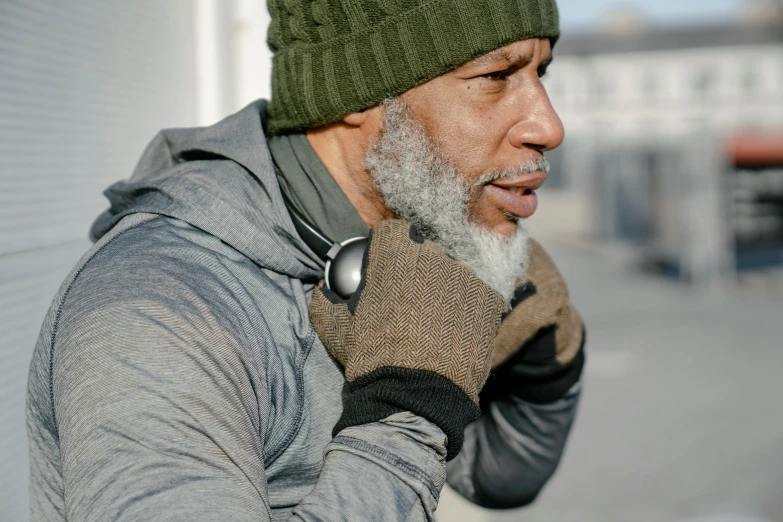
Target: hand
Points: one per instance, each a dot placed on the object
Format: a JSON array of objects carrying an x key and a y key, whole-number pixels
[
  {"x": 539, "y": 348},
  {"x": 416, "y": 336}
]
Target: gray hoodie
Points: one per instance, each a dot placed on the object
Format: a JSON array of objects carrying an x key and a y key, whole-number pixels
[{"x": 177, "y": 376}]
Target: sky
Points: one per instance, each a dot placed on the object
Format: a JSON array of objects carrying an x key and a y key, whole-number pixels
[{"x": 582, "y": 14}]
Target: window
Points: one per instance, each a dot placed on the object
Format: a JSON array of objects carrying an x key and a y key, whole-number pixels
[
  {"x": 650, "y": 87},
  {"x": 704, "y": 83},
  {"x": 750, "y": 81},
  {"x": 600, "y": 90}
]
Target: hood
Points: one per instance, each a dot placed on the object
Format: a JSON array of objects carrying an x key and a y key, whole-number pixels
[{"x": 221, "y": 180}]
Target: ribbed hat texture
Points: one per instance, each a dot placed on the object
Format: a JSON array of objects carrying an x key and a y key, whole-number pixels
[{"x": 334, "y": 57}]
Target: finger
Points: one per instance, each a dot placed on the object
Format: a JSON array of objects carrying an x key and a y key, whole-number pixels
[{"x": 332, "y": 320}]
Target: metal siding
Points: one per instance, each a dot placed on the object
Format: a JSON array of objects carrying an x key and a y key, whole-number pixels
[{"x": 83, "y": 87}]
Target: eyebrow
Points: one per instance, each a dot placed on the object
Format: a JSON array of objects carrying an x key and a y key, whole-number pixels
[{"x": 502, "y": 56}]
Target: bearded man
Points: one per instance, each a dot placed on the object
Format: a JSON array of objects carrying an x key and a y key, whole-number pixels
[{"x": 194, "y": 366}]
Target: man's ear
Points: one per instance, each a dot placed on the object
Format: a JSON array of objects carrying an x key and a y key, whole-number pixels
[
  {"x": 368, "y": 118},
  {"x": 355, "y": 119}
]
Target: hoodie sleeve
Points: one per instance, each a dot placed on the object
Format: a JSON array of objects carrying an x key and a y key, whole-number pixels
[
  {"x": 386, "y": 471},
  {"x": 156, "y": 397},
  {"x": 512, "y": 450},
  {"x": 160, "y": 400}
]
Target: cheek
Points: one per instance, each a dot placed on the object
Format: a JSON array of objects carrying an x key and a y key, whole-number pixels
[
  {"x": 471, "y": 141},
  {"x": 467, "y": 131}
]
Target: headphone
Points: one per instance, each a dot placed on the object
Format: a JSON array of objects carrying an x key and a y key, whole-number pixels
[{"x": 343, "y": 260}]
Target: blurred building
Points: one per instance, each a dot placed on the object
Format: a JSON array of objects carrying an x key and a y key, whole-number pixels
[
  {"x": 632, "y": 79},
  {"x": 653, "y": 116}
]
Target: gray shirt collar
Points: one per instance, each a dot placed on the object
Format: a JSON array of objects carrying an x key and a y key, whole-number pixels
[{"x": 312, "y": 190}]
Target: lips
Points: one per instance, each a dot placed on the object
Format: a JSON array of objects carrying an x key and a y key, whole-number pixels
[{"x": 517, "y": 196}]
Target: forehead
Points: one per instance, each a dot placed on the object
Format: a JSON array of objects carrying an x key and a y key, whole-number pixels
[{"x": 515, "y": 52}]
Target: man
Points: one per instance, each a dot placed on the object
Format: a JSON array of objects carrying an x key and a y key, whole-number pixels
[{"x": 193, "y": 367}]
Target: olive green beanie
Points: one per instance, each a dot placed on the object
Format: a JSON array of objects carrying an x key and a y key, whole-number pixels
[{"x": 334, "y": 57}]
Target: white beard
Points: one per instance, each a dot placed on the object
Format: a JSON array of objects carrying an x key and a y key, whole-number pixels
[{"x": 428, "y": 190}]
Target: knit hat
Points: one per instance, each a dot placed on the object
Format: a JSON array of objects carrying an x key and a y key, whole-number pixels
[{"x": 334, "y": 57}]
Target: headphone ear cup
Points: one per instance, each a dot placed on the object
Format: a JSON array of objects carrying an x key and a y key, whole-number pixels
[{"x": 344, "y": 272}]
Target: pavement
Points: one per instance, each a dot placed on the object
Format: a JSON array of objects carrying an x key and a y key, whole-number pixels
[{"x": 681, "y": 418}]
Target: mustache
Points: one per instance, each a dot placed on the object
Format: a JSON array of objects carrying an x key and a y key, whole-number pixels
[{"x": 514, "y": 172}]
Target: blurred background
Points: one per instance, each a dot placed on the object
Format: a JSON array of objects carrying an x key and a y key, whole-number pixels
[{"x": 664, "y": 210}]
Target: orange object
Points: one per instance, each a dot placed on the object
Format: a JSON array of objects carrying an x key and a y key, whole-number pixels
[{"x": 751, "y": 150}]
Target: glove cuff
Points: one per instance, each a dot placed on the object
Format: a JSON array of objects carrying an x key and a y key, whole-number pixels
[{"x": 390, "y": 390}]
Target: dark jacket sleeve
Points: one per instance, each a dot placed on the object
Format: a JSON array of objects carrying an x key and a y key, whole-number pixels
[{"x": 512, "y": 450}]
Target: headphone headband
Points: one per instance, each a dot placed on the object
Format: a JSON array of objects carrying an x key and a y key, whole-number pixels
[{"x": 343, "y": 261}]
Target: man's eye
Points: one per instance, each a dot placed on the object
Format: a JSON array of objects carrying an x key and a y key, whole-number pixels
[
  {"x": 543, "y": 70},
  {"x": 498, "y": 75}
]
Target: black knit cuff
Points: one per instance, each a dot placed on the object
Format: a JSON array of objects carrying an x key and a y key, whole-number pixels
[{"x": 391, "y": 390}]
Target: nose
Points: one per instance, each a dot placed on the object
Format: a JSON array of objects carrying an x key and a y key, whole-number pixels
[{"x": 538, "y": 126}]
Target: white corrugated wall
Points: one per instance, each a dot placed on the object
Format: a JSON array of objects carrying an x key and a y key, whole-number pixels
[{"x": 83, "y": 87}]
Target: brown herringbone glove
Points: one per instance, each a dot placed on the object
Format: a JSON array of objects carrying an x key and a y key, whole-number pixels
[
  {"x": 416, "y": 336},
  {"x": 539, "y": 348}
]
